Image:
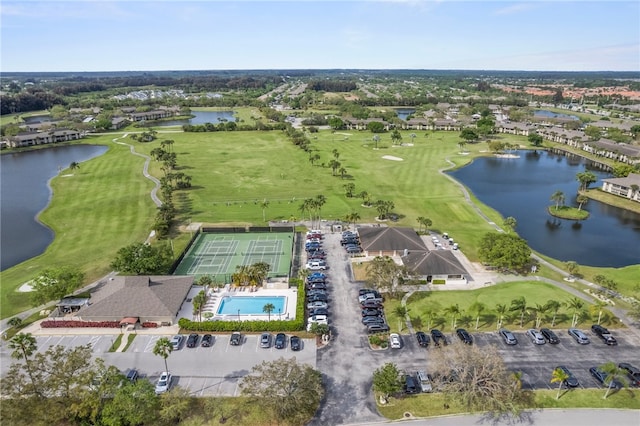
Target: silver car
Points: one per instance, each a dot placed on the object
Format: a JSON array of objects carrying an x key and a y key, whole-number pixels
[
  {"x": 536, "y": 337},
  {"x": 508, "y": 337},
  {"x": 164, "y": 383},
  {"x": 265, "y": 340},
  {"x": 579, "y": 336}
]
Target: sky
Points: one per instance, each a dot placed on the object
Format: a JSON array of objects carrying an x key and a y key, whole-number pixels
[{"x": 132, "y": 35}]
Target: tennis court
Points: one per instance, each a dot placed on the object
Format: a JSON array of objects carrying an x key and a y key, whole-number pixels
[{"x": 218, "y": 254}]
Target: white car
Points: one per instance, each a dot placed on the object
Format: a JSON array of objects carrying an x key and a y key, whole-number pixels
[
  {"x": 164, "y": 383},
  {"x": 394, "y": 340},
  {"x": 536, "y": 337},
  {"x": 317, "y": 305},
  {"x": 321, "y": 319},
  {"x": 176, "y": 341}
]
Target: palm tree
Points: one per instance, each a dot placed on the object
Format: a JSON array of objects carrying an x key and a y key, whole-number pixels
[
  {"x": 420, "y": 219},
  {"x": 519, "y": 305},
  {"x": 319, "y": 201},
  {"x": 501, "y": 309},
  {"x": 431, "y": 311},
  {"x": 268, "y": 308},
  {"x": 163, "y": 348},
  {"x": 365, "y": 197},
  {"x": 597, "y": 307},
  {"x": 634, "y": 190},
  {"x": 313, "y": 158},
  {"x": 559, "y": 376},
  {"x": 198, "y": 303},
  {"x": 263, "y": 205},
  {"x": 539, "y": 310},
  {"x": 401, "y": 313},
  {"x": 581, "y": 199},
  {"x": 376, "y": 139},
  {"x": 303, "y": 273},
  {"x": 335, "y": 165},
  {"x": 614, "y": 374},
  {"x": 353, "y": 217},
  {"x": 454, "y": 311},
  {"x": 342, "y": 172},
  {"x": 426, "y": 222},
  {"x": 510, "y": 223},
  {"x": 558, "y": 198},
  {"x": 461, "y": 144},
  {"x": 478, "y": 308},
  {"x": 74, "y": 165},
  {"x": 577, "y": 305},
  {"x": 554, "y": 306},
  {"x": 412, "y": 136},
  {"x": 336, "y": 154}
]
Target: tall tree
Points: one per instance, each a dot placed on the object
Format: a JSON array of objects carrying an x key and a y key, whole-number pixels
[
  {"x": 576, "y": 305},
  {"x": 505, "y": 251},
  {"x": 581, "y": 200},
  {"x": 510, "y": 223},
  {"x": 263, "y": 205},
  {"x": 559, "y": 376},
  {"x": 454, "y": 311},
  {"x": 55, "y": 283},
  {"x": 615, "y": 376},
  {"x": 74, "y": 165},
  {"x": 132, "y": 404},
  {"x": 268, "y": 308},
  {"x": 478, "y": 308},
  {"x": 520, "y": 305},
  {"x": 384, "y": 273},
  {"x": 558, "y": 198},
  {"x": 143, "y": 259},
  {"x": 163, "y": 348},
  {"x": 501, "y": 309},
  {"x": 292, "y": 391},
  {"x": 386, "y": 381},
  {"x": 396, "y": 137},
  {"x": 349, "y": 188},
  {"x": 24, "y": 345},
  {"x": 586, "y": 178},
  {"x": 553, "y": 306}
]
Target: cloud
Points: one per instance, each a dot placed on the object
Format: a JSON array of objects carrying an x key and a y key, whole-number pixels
[{"x": 514, "y": 9}]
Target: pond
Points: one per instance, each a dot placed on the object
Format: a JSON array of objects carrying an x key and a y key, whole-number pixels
[
  {"x": 25, "y": 192},
  {"x": 522, "y": 188},
  {"x": 542, "y": 113},
  {"x": 403, "y": 113},
  {"x": 200, "y": 117}
]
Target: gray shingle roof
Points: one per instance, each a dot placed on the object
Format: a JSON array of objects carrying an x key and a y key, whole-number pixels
[
  {"x": 437, "y": 262},
  {"x": 139, "y": 296},
  {"x": 387, "y": 239}
]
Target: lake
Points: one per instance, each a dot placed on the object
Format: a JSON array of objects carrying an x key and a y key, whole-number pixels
[
  {"x": 543, "y": 113},
  {"x": 200, "y": 117},
  {"x": 25, "y": 192},
  {"x": 403, "y": 113},
  {"x": 522, "y": 188}
]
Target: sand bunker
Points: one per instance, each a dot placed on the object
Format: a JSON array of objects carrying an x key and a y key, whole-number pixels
[
  {"x": 391, "y": 157},
  {"x": 26, "y": 287}
]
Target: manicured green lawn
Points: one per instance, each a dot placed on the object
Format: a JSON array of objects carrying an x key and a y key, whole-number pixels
[
  {"x": 105, "y": 205},
  {"x": 430, "y": 405},
  {"x": 534, "y": 292}
]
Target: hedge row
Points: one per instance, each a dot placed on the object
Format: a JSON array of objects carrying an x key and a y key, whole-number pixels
[
  {"x": 254, "y": 326},
  {"x": 79, "y": 324},
  {"x": 149, "y": 324}
]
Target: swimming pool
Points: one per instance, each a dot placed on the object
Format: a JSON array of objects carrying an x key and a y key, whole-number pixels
[{"x": 251, "y": 305}]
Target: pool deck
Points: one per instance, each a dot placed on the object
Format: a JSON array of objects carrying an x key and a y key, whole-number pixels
[{"x": 216, "y": 295}]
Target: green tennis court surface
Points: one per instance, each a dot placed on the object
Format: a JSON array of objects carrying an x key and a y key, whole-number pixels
[{"x": 218, "y": 255}]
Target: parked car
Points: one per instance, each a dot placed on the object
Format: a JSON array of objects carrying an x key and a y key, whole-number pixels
[
  {"x": 365, "y": 291},
  {"x": 281, "y": 341},
  {"x": 319, "y": 311},
  {"x": 176, "y": 341},
  {"x": 438, "y": 337},
  {"x": 265, "y": 340},
  {"x": 571, "y": 381},
  {"x": 633, "y": 373},
  {"x": 536, "y": 337},
  {"x": 422, "y": 338},
  {"x": 370, "y": 296},
  {"x": 410, "y": 385},
  {"x": 603, "y": 378},
  {"x": 604, "y": 334},
  {"x": 373, "y": 320},
  {"x": 579, "y": 336},
  {"x": 296, "y": 343},
  {"x": 316, "y": 266},
  {"x": 317, "y": 287},
  {"x": 371, "y": 304},
  {"x": 377, "y": 328},
  {"x": 371, "y": 312},
  {"x": 316, "y": 280},
  {"x": 192, "y": 340},
  {"x": 315, "y": 305},
  {"x": 318, "y": 298},
  {"x": 508, "y": 337},
  {"x": 164, "y": 383},
  {"x": 549, "y": 335},
  {"x": 207, "y": 341},
  {"x": 353, "y": 250},
  {"x": 318, "y": 318},
  {"x": 132, "y": 375},
  {"x": 394, "y": 341},
  {"x": 424, "y": 381},
  {"x": 314, "y": 275},
  {"x": 236, "y": 338},
  {"x": 464, "y": 336}
]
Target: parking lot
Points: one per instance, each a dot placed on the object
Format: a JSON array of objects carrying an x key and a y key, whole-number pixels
[{"x": 215, "y": 370}]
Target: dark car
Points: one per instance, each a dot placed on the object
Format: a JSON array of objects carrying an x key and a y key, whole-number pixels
[
  {"x": 373, "y": 320},
  {"x": 318, "y": 286},
  {"x": 410, "y": 385},
  {"x": 318, "y": 298},
  {"x": 236, "y": 338},
  {"x": 315, "y": 291},
  {"x": 422, "y": 338},
  {"x": 371, "y": 304},
  {"x": 438, "y": 337},
  {"x": 353, "y": 249},
  {"x": 207, "y": 339},
  {"x": 192, "y": 341},
  {"x": 602, "y": 377},
  {"x": 319, "y": 311},
  {"x": 604, "y": 334},
  {"x": 281, "y": 341},
  {"x": 549, "y": 335},
  {"x": 349, "y": 241},
  {"x": 317, "y": 255},
  {"x": 317, "y": 280},
  {"x": 464, "y": 336},
  {"x": 132, "y": 375},
  {"x": 296, "y": 343},
  {"x": 377, "y": 328},
  {"x": 365, "y": 291},
  {"x": 571, "y": 381},
  {"x": 371, "y": 312},
  {"x": 632, "y": 372}
]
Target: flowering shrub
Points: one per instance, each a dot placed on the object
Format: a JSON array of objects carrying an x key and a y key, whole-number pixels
[{"x": 79, "y": 324}]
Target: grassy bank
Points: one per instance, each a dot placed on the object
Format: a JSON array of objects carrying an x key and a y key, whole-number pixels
[
  {"x": 566, "y": 212},
  {"x": 102, "y": 207},
  {"x": 435, "y": 404}
]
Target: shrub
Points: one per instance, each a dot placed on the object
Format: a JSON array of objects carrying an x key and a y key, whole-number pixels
[{"x": 79, "y": 324}]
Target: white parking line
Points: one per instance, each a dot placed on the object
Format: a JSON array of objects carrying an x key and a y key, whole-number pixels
[{"x": 149, "y": 346}]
